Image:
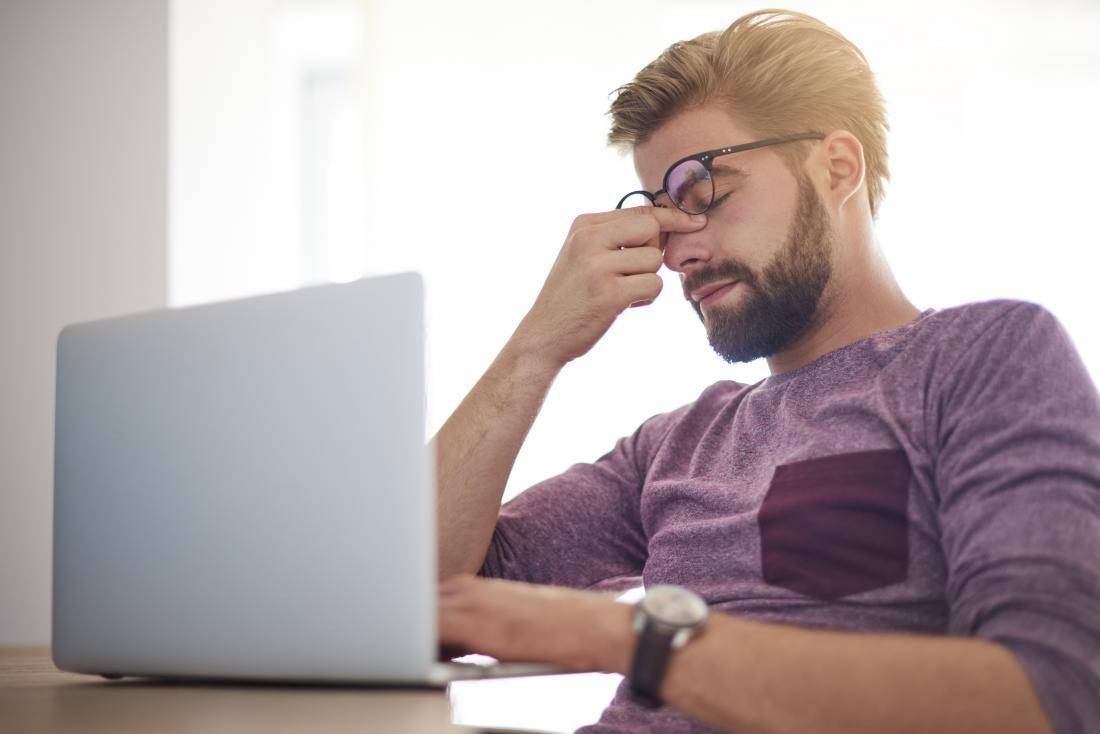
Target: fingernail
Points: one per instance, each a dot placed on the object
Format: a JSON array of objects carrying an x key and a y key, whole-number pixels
[{"x": 698, "y": 218}]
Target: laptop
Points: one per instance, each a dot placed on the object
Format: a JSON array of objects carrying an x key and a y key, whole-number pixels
[{"x": 243, "y": 490}]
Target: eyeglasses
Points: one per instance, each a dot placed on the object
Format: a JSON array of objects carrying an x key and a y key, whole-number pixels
[{"x": 689, "y": 182}]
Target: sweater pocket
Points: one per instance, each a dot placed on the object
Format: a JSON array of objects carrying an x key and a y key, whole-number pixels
[{"x": 837, "y": 525}]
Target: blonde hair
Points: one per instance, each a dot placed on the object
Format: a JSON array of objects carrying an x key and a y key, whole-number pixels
[{"x": 778, "y": 73}]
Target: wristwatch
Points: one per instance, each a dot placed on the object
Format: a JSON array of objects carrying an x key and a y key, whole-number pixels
[{"x": 664, "y": 620}]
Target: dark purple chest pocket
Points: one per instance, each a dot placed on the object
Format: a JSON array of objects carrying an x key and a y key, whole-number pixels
[{"x": 837, "y": 525}]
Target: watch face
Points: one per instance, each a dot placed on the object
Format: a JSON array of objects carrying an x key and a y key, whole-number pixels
[{"x": 674, "y": 606}]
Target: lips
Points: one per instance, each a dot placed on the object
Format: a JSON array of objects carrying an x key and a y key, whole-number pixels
[{"x": 706, "y": 290}]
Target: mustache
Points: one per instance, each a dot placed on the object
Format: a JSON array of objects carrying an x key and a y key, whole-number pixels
[{"x": 727, "y": 270}]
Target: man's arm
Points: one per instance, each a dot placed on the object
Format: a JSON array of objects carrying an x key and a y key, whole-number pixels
[
  {"x": 608, "y": 263},
  {"x": 477, "y": 447},
  {"x": 581, "y": 528},
  {"x": 761, "y": 678},
  {"x": 754, "y": 677}
]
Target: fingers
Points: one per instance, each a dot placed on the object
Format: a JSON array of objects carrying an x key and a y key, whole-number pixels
[
  {"x": 634, "y": 227},
  {"x": 454, "y": 615},
  {"x": 641, "y": 288},
  {"x": 667, "y": 214},
  {"x": 633, "y": 260}
]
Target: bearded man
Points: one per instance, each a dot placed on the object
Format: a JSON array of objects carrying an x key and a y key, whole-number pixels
[{"x": 897, "y": 531}]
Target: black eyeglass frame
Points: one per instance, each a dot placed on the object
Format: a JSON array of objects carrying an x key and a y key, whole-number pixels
[{"x": 707, "y": 159}]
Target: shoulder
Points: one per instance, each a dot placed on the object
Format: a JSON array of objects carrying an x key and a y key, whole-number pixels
[
  {"x": 1000, "y": 329},
  {"x": 1005, "y": 347},
  {"x": 1002, "y": 315}
]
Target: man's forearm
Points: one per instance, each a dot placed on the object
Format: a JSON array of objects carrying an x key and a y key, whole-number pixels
[
  {"x": 762, "y": 678},
  {"x": 477, "y": 447}
]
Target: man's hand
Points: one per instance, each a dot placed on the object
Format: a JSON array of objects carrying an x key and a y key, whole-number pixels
[
  {"x": 513, "y": 621},
  {"x": 608, "y": 263}
]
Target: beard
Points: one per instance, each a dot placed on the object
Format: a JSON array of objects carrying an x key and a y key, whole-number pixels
[{"x": 780, "y": 304}]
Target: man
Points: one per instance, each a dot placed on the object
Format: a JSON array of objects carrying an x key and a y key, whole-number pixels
[{"x": 897, "y": 531}]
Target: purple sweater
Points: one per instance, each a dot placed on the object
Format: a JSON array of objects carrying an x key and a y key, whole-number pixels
[{"x": 939, "y": 477}]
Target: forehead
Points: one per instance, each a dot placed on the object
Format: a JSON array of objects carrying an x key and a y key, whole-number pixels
[{"x": 690, "y": 132}]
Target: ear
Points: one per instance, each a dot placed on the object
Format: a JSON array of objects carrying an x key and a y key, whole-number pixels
[{"x": 844, "y": 163}]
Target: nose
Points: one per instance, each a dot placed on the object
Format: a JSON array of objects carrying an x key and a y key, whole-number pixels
[{"x": 686, "y": 250}]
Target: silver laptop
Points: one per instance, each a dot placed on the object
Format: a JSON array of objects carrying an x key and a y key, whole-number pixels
[{"x": 243, "y": 490}]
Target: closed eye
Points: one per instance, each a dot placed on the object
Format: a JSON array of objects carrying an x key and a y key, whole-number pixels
[{"x": 720, "y": 199}]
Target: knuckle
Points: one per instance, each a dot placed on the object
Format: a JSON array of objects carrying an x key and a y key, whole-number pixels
[
  {"x": 659, "y": 213},
  {"x": 590, "y": 236},
  {"x": 578, "y": 240}
]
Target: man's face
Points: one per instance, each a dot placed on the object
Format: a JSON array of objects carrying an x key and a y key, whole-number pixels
[{"x": 772, "y": 234}]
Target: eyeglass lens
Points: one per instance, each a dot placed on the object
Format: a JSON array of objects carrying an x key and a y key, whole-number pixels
[{"x": 691, "y": 187}]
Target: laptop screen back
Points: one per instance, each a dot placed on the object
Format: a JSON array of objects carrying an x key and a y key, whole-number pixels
[{"x": 243, "y": 489}]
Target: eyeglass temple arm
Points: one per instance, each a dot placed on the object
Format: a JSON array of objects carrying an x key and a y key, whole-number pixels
[
  {"x": 762, "y": 143},
  {"x": 723, "y": 151}
]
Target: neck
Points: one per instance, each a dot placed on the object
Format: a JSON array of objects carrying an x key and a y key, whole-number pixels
[{"x": 850, "y": 310}]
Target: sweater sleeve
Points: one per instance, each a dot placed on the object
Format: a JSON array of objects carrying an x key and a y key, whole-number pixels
[
  {"x": 1018, "y": 477},
  {"x": 581, "y": 528}
]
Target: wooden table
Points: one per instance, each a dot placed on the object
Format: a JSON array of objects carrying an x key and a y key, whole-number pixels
[{"x": 37, "y": 697}]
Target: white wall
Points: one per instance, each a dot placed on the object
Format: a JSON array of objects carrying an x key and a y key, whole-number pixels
[{"x": 83, "y": 128}]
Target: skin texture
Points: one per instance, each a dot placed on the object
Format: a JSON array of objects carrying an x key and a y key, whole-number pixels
[{"x": 813, "y": 280}]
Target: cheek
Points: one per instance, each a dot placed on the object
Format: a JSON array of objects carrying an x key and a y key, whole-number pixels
[
  {"x": 738, "y": 210},
  {"x": 743, "y": 240},
  {"x": 733, "y": 229},
  {"x": 754, "y": 219}
]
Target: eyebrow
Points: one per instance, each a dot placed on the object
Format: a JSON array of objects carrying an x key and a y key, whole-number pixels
[{"x": 729, "y": 171}]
